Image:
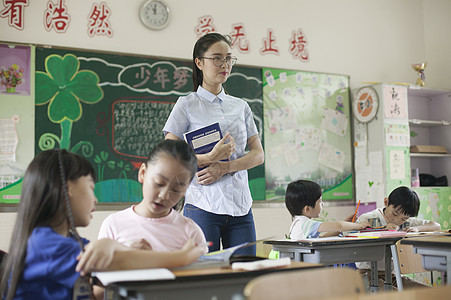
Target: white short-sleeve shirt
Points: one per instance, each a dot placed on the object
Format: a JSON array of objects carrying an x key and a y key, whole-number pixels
[
  {"x": 378, "y": 213},
  {"x": 303, "y": 227},
  {"x": 230, "y": 195}
]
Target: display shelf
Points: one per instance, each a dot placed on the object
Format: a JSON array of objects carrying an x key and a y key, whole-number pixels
[
  {"x": 429, "y": 155},
  {"x": 427, "y": 123},
  {"x": 415, "y": 90}
]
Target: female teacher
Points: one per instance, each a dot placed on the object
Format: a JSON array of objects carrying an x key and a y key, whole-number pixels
[{"x": 218, "y": 198}]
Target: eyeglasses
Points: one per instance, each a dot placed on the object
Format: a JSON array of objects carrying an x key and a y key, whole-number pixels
[{"x": 218, "y": 60}]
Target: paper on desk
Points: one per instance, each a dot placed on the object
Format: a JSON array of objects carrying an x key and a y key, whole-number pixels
[
  {"x": 133, "y": 275},
  {"x": 225, "y": 254},
  {"x": 262, "y": 264},
  {"x": 222, "y": 255}
]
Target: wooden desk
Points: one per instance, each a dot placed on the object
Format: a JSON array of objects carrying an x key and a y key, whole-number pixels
[
  {"x": 197, "y": 283},
  {"x": 339, "y": 250},
  {"x": 434, "y": 293},
  {"x": 435, "y": 252}
]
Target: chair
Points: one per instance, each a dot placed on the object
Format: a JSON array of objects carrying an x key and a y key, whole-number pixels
[
  {"x": 405, "y": 261},
  {"x": 305, "y": 284}
]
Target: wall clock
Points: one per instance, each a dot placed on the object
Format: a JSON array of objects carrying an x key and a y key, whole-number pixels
[
  {"x": 365, "y": 104},
  {"x": 155, "y": 14}
]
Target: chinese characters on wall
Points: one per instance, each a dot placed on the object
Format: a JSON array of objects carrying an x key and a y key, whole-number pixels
[
  {"x": 297, "y": 44},
  {"x": 57, "y": 17}
]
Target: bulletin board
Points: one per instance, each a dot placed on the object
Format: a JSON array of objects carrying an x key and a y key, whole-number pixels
[
  {"x": 111, "y": 109},
  {"x": 307, "y": 130},
  {"x": 435, "y": 204}
]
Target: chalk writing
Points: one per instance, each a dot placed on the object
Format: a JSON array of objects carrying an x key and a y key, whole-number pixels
[{"x": 137, "y": 126}]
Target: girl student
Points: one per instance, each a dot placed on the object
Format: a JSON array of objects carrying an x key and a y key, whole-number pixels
[
  {"x": 154, "y": 223},
  {"x": 219, "y": 199},
  {"x": 46, "y": 258}
]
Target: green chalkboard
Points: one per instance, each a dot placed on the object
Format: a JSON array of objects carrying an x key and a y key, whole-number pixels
[{"x": 111, "y": 109}]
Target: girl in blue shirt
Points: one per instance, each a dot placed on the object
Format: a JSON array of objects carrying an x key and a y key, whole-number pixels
[{"x": 47, "y": 258}]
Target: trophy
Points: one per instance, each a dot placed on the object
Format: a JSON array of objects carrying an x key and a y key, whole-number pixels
[{"x": 420, "y": 69}]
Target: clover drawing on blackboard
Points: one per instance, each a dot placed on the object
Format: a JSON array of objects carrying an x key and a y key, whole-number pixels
[
  {"x": 64, "y": 87},
  {"x": 102, "y": 161}
]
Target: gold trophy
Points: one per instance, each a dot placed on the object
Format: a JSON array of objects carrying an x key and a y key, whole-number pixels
[{"x": 420, "y": 69}]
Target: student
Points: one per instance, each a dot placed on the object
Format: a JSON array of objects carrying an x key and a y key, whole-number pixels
[
  {"x": 399, "y": 213},
  {"x": 45, "y": 259},
  {"x": 401, "y": 208},
  {"x": 303, "y": 200},
  {"x": 219, "y": 198},
  {"x": 153, "y": 223}
]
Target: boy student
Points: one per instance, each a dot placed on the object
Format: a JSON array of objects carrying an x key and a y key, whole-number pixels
[
  {"x": 399, "y": 213},
  {"x": 303, "y": 200},
  {"x": 401, "y": 208}
]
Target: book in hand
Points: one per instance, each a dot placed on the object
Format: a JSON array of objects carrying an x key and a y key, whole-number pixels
[{"x": 203, "y": 139}]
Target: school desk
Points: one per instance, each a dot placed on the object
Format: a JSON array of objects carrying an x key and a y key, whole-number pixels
[
  {"x": 340, "y": 250},
  {"x": 196, "y": 283},
  {"x": 435, "y": 252}
]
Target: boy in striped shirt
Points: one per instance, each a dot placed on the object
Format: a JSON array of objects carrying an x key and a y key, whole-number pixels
[{"x": 303, "y": 200}]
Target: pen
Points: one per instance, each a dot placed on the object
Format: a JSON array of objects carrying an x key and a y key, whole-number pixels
[
  {"x": 207, "y": 244},
  {"x": 356, "y": 210}
]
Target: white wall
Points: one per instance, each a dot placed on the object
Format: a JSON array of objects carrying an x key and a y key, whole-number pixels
[{"x": 372, "y": 40}]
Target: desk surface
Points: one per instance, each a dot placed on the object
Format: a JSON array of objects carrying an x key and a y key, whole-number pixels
[
  {"x": 331, "y": 241},
  {"x": 221, "y": 271},
  {"x": 200, "y": 283},
  {"x": 435, "y": 240}
]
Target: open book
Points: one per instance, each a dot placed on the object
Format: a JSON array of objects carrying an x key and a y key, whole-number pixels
[
  {"x": 225, "y": 254},
  {"x": 108, "y": 277}
]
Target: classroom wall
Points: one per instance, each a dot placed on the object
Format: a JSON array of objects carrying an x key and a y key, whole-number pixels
[{"x": 373, "y": 40}]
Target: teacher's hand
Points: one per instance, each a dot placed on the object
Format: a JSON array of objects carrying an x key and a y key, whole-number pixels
[
  {"x": 212, "y": 173},
  {"x": 222, "y": 150}
]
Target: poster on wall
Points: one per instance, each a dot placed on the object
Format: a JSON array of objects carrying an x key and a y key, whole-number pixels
[
  {"x": 15, "y": 69},
  {"x": 112, "y": 108},
  {"x": 307, "y": 132}
]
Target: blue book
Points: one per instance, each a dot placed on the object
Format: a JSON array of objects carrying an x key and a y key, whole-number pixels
[{"x": 203, "y": 140}]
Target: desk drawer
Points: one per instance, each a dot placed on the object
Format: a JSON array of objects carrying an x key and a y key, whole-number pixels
[{"x": 344, "y": 255}]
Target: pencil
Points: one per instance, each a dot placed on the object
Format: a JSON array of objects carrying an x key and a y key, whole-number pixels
[{"x": 356, "y": 210}]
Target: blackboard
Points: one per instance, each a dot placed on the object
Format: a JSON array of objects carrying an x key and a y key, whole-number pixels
[{"x": 111, "y": 109}]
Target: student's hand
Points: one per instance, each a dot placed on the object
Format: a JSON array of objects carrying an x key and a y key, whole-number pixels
[
  {"x": 364, "y": 225},
  {"x": 391, "y": 226},
  {"x": 141, "y": 244},
  {"x": 98, "y": 255},
  {"x": 411, "y": 229},
  {"x": 349, "y": 219},
  {"x": 212, "y": 173},
  {"x": 222, "y": 150},
  {"x": 192, "y": 252}
]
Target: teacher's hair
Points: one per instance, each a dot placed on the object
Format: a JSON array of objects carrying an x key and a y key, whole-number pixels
[{"x": 201, "y": 46}]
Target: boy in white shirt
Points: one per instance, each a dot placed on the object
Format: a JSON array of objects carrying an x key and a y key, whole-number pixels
[
  {"x": 303, "y": 200},
  {"x": 399, "y": 213}
]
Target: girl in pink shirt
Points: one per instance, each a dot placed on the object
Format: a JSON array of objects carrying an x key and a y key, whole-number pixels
[{"x": 154, "y": 223}]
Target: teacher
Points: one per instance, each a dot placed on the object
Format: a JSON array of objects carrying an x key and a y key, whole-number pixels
[{"x": 218, "y": 198}]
